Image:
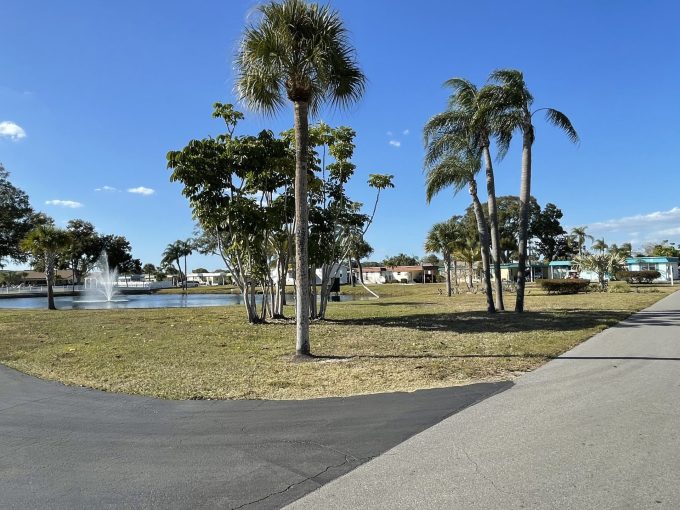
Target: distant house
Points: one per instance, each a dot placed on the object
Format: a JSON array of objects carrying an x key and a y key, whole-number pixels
[
  {"x": 510, "y": 270},
  {"x": 426, "y": 273},
  {"x": 667, "y": 266},
  {"x": 218, "y": 278},
  {"x": 560, "y": 269},
  {"x": 62, "y": 277},
  {"x": 341, "y": 273}
]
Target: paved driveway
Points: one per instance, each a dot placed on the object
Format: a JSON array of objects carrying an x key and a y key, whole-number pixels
[
  {"x": 598, "y": 428},
  {"x": 71, "y": 448}
]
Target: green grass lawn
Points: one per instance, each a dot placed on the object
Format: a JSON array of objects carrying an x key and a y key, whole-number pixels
[{"x": 410, "y": 338}]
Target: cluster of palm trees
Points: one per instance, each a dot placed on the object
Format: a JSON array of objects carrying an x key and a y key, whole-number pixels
[
  {"x": 173, "y": 254},
  {"x": 458, "y": 142}
]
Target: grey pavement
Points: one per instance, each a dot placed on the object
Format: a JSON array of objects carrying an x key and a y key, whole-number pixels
[
  {"x": 71, "y": 448},
  {"x": 598, "y": 428}
]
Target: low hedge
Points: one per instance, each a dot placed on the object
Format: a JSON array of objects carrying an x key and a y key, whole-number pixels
[
  {"x": 564, "y": 286},
  {"x": 639, "y": 276}
]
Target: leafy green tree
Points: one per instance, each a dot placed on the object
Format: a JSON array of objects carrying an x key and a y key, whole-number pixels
[
  {"x": 512, "y": 104},
  {"x": 11, "y": 277},
  {"x": 200, "y": 270},
  {"x": 85, "y": 247},
  {"x": 401, "y": 260},
  {"x": 663, "y": 249},
  {"x": 300, "y": 52},
  {"x": 118, "y": 251},
  {"x": 508, "y": 222},
  {"x": 239, "y": 191},
  {"x": 470, "y": 117},
  {"x": 546, "y": 228},
  {"x": 47, "y": 243},
  {"x": 335, "y": 220},
  {"x": 457, "y": 170},
  {"x": 16, "y": 219}
]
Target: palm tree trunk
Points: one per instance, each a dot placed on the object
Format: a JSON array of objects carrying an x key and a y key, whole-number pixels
[
  {"x": 484, "y": 245},
  {"x": 493, "y": 224},
  {"x": 301, "y": 231},
  {"x": 49, "y": 278},
  {"x": 524, "y": 197},
  {"x": 447, "y": 262},
  {"x": 361, "y": 271}
]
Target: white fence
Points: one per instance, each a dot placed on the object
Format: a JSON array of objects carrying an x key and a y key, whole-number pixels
[{"x": 63, "y": 289}]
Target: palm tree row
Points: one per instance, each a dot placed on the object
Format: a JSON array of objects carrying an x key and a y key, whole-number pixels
[{"x": 456, "y": 141}]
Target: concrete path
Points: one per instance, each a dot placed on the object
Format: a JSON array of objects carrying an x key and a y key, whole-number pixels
[
  {"x": 71, "y": 448},
  {"x": 598, "y": 428}
]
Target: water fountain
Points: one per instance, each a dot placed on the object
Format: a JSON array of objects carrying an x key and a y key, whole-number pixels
[{"x": 102, "y": 286}]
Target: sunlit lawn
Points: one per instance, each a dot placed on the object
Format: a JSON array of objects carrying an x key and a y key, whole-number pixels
[{"x": 410, "y": 338}]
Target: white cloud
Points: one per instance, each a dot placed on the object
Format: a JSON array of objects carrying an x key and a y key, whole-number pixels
[
  {"x": 141, "y": 190},
  {"x": 71, "y": 204},
  {"x": 9, "y": 129},
  {"x": 406, "y": 132},
  {"x": 389, "y": 133},
  {"x": 395, "y": 143},
  {"x": 109, "y": 189},
  {"x": 640, "y": 228}
]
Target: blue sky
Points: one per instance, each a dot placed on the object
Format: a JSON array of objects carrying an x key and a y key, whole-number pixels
[{"x": 94, "y": 94}]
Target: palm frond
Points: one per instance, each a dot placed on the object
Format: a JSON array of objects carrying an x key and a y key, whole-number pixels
[
  {"x": 559, "y": 119},
  {"x": 454, "y": 171},
  {"x": 300, "y": 51}
]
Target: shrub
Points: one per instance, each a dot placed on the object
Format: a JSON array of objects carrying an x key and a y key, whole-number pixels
[
  {"x": 639, "y": 276},
  {"x": 564, "y": 286},
  {"x": 619, "y": 287}
]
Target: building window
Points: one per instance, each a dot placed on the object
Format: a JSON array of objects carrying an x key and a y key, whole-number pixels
[{"x": 648, "y": 266}]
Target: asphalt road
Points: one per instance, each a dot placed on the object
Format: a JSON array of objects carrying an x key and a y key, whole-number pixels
[
  {"x": 598, "y": 428},
  {"x": 71, "y": 448}
]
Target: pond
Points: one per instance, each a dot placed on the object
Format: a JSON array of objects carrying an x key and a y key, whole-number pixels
[{"x": 140, "y": 301}]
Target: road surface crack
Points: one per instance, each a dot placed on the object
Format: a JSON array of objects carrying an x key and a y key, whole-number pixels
[
  {"x": 479, "y": 472},
  {"x": 349, "y": 458}
]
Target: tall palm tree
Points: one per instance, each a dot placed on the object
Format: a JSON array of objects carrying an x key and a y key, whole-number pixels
[
  {"x": 512, "y": 104},
  {"x": 580, "y": 235},
  {"x": 185, "y": 248},
  {"x": 458, "y": 170},
  {"x": 445, "y": 238},
  {"x": 600, "y": 245},
  {"x": 172, "y": 255},
  {"x": 469, "y": 115},
  {"x": 301, "y": 52},
  {"x": 46, "y": 242}
]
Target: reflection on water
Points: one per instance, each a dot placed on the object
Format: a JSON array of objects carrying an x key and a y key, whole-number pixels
[{"x": 142, "y": 301}]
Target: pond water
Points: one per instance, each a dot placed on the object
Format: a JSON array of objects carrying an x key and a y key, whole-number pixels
[{"x": 140, "y": 301}]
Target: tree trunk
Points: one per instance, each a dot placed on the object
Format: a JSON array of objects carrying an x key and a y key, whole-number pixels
[
  {"x": 470, "y": 283},
  {"x": 361, "y": 271},
  {"x": 447, "y": 263},
  {"x": 493, "y": 224},
  {"x": 49, "y": 279},
  {"x": 524, "y": 197},
  {"x": 455, "y": 271},
  {"x": 484, "y": 245},
  {"x": 301, "y": 231}
]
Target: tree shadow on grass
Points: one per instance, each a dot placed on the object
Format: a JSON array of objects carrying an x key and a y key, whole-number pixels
[{"x": 508, "y": 322}]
